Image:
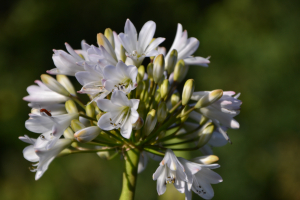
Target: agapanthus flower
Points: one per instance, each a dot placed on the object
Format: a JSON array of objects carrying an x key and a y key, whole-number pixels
[
  {"x": 121, "y": 112},
  {"x": 137, "y": 48}
]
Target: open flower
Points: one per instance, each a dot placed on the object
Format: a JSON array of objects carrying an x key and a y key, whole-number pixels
[
  {"x": 121, "y": 113},
  {"x": 67, "y": 63},
  {"x": 120, "y": 77},
  {"x": 139, "y": 48},
  {"x": 170, "y": 171},
  {"x": 37, "y": 152}
]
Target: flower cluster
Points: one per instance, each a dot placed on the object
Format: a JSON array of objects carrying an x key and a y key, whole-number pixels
[{"x": 132, "y": 108}]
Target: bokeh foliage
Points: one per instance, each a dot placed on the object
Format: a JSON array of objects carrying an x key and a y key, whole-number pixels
[{"x": 255, "y": 50}]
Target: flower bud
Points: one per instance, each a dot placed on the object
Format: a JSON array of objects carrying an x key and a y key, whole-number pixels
[
  {"x": 103, "y": 41},
  {"x": 64, "y": 81},
  {"x": 139, "y": 89},
  {"x": 209, "y": 98},
  {"x": 188, "y": 90},
  {"x": 90, "y": 110},
  {"x": 108, "y": 33},
  {"x": 206, "y": 159},
  {"x": 150, "y": 70},
  {"x": 103, "y": 154},
  {"x": 158, "y": 68},
  {"x": 184, "y": 118},
  {"x": 122, "y": 54},
  {"x": 179, "y": 68},
  {"x": 87, "y": 134},
  {"x": 150, "y": 123},
  {"x": 138, "y": 124},
  {"x": 175, "y": 98},
  {"x": 54, "y": 85},
  {"x": 76, "y": 125},
  {"x": 68, "y": 133},
  {"x": 171, "y": 61},
  {"x": 99, "y": 115},
  {"x": 164, "y": 89},
  {"x": 141, "y": 73},
  {"x": 145, "y": 95},
  {"x": 162, "y": 112},
  {"x": 205, "y": 134},
  {"x": 71, "y": 106}
]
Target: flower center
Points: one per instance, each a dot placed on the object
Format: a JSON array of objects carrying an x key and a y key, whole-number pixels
[{"x": 119, "y": 120}]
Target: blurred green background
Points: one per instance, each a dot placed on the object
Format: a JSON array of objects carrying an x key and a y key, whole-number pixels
[{"x": 254, "y": 46}]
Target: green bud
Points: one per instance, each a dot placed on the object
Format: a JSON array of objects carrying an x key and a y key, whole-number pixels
[
  {"x": 171, "y": 61},
  {"x": 188, "y": 90},
  {"x": 206, "y": 159},
  {"x": 175, "y": 98},
  {"x": 162, "y": 112},
  {"x": 180, "y": 71},
  {"x": 158, "y": 68},
  {"x": 87, "y": 134},
  {"x": 64, "y": 81},
  {"x": 76, "y": 125},
  {"x": 71, "y": 106},
  {"x": 150, "y": 123},
  {"x": 68, "y": 133},
  {"x": 122, "y": 54},
  {"x": 54, "y": 85},
  {"x": 103, "y": 41},
  {"x": 108, "y": 33},
  {"x": 184, "y": 118},
  {"x": 164, "y": 89},
  {"x": 203, "y": 120},
  {"x": 90, "y": 110},
  {"x": 139, "y": 89},
  {"x": 146, "y": 95},
  {"x": 141, "y": 73},
  {"x": 138, "y": 124},
  {"x": 150, "y": 70},
  {"x": 210, "y": 98},
  {"x": 103, "y": 154},
  {"x": 99, "y": 115},
  {"x": 205, "y": 134}
]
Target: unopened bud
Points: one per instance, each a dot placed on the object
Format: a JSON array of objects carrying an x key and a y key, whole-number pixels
[
  {"x": 162, "y": 112},
  {"x": 122, "y": 54},
  {"x": 54, "y": 85},
  {"x": 164, "y": 89},
  {"x": 141, "y": 73},
  {"x": 76, "y": 125},
  {"x": 179, "y": 68},
  {"x": 150, "y": 123},
  {"x": 184, "y": 118},
  {"x": 139, "y": 89},
  {"x": 90, "y": 110},
  {"x": 87, "y": 134},
  {"x": 175, "y": 98},
  {"x": 158, "y": 68},
  {"x": 103, "y": 41},
  {"x": 108, "y": 33},
  {"x": 64, "y": 81},
  {"x": 103, "y": 154},
  {"x": 68, "y": 133},
  {"x": 188, "y": 90},
  {"x": 206, "y": 159},
  {"x": 205, "y": 134},
  {"x": 150, "y": 70},
  {"x": 171, "y": 61},
  {"x": 138, "y": 124},
  {"x": 99, "y": 115},
  {"x": 71, "y": 106},
  {"x": 209, "y": 98}
]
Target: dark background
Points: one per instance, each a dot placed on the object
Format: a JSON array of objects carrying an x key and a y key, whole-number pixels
[{"x": 254, "y": 46}]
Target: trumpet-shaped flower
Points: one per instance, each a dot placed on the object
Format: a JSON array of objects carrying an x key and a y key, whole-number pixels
[
  {"x": 170, "y": 171},
  {"x": 67, "y": 63},
  {"x": 121, "y": 113},
  {"x": 186, "y": 47},
  {"x": 40, "y": 95},
  {"x": 139, "y": 48}
]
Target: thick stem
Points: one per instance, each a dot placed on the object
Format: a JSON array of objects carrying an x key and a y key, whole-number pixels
[{"x": 130, "y": 174}]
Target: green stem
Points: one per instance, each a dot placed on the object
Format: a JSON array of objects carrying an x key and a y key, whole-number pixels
[
  {"x": 130, "y": 174},
  {"x": 78, "y": 101},
  {"x": 87, "y": 117},
  {"x": 183, "y": 142}
]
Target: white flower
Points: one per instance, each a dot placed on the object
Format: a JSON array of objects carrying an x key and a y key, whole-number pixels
[
  {"x": 55, "y": 125},
  {"x": 121, "y": 113},
  {"x": 54, "y": 109},
  {"x": 36, "y": 152},
  {"x": 221, "y": 111},
  {"x": 186, "y": 47},
  {"x": 120, "y": 77},
  {"x": 170, "y": 171},
  {"x": 99, "y": 56},
  {"x": 143, "y": 161},
  {"x": 41, "y": 95},
  {"x": 139, "y": 48},
  {"x": 67, "y": 63}
]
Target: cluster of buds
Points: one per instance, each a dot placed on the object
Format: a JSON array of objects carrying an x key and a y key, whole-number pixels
[{"x": 132, "y": 107}]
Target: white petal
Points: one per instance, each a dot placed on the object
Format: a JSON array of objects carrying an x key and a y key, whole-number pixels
[
  {"x": 154, "y": 44},
  {"x": 119, "y": 98},
  {"x": 191, "y": 46},
  {"x": 126, "y": 129},
  {"x": 146, "y": 35},
  {"x": 196, "y": 61},
  {"x": 105, "y": 123},
  {"x": 135, "y": 103},
  {"x": 29, "y": 154}
]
